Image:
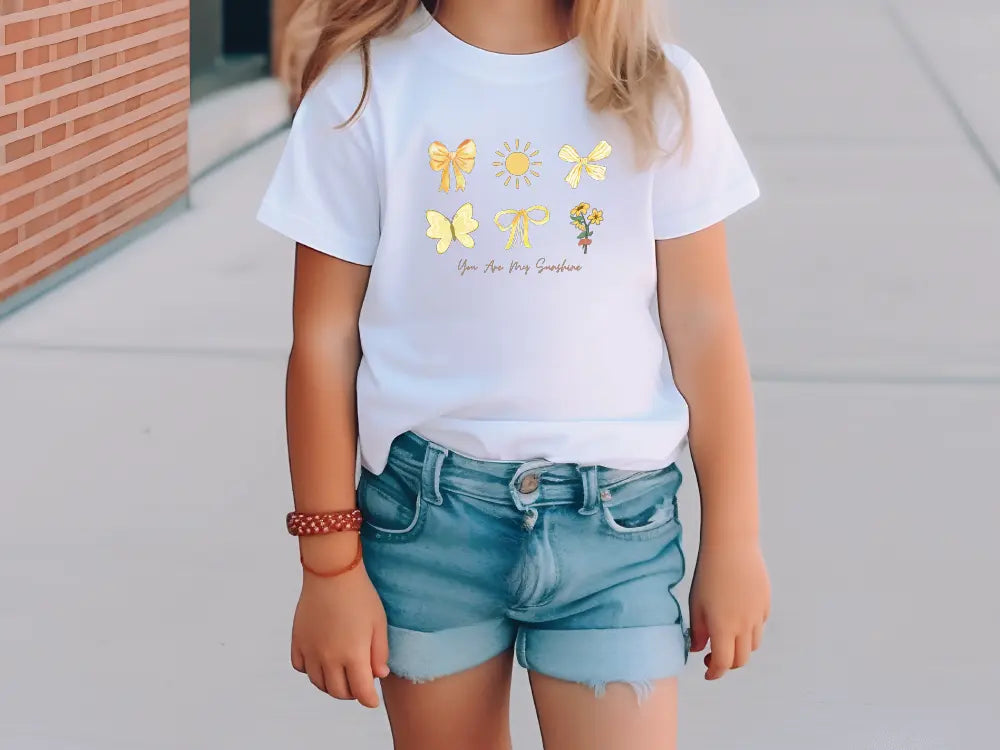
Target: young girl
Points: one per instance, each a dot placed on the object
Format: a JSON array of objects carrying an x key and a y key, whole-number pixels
[{"x": 507, "y": 213}]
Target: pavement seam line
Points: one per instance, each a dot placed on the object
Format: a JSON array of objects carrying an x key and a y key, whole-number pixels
[
  {"x": 919, "y": 54},
  {"x": 243, "y": 150}
]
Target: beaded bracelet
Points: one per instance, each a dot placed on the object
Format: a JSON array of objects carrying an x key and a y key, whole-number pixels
[{"x": 309, "y": 524}]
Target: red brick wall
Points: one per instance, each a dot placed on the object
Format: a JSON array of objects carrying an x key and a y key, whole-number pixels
[{"x": 93, "y": 125}]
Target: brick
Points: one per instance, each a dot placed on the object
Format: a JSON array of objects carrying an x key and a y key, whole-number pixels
[
  {"x": 97, "y": 39},
  {"x": 72, "y": 155},
  {"x": 34, "y": 115},
  {"x": 8, "y": 64},
  {"x": 49, "y": 246},
  {"x": 54, "y": 135},
  {"x": 54, "y": 80},
  {"x": 33, "y": 171},
  {"x": 15, "y": 92},
  {"x": 19, "y": 149},
  {"x": 96, "y": 118},
  {"x": 81, "y": 17},
  {"x": 156, "y": 140},
  {"x": 20, "y": 31},
  {"x": 10, "y": 6},
  {"x": 17, "y": 206},
  {"x": 141, "y": 51},
  {"x": 53, "y": 24},
  {"x": 37, "y": 56},
  {"x": 108, "y": 62},
  {"x": 57, "y": 188},
  {"x": 8, "y": 123},
  {"x": 34, "y": 4},
  {"x": 37, "y": 170},
  {"x": 8, "y": 240},
  {"x": 82, "y": 70},
  {"x": 106, "y": 10},
  {"x": 92, "y": 94},
  {"x": 41, "y": 223},
  {"x": 68, "y": 209},
  {"x": 67, "y": 48},
  {"x": 68, "y": 102}
]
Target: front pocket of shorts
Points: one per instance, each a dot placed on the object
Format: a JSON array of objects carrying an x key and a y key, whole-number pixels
[
  {"x": 644, "y": 515},
  {"x": 630, "y": 521},
  {"x": 390, "y": 513}
]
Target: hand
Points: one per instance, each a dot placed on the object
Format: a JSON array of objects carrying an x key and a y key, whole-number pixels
[
  {"x": 339, "y": 636},
  {"x": 730, "y": 602}
]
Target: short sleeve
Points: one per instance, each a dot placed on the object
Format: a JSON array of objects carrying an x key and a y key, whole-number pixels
[
  {"x": 708, "y": 181},
  {"x": 324, "y": 192}
]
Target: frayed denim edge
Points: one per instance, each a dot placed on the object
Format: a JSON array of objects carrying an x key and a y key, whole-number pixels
[{"x": 643, "y": 689}]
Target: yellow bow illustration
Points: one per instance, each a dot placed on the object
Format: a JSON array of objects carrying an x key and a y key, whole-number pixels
[
  {"x": 601, "y": 151},
  {"x": 519, "y": 224},
  {"x": 462, "y": 159}
]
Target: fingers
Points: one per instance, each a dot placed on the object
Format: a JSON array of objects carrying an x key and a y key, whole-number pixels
[
  {"x": 741, "y": 654},
  {"x": 720, "y": 660},
  {"x": 732, "y": 651},
  {"x": 336, "y": 681},
  {"x": 380, "y": 651},
  {"x": 298, "y": 660},
  {"x": 356, "y": 681},
  {"x": 699, "y": 631},
  {"x": 315, "y": 672},
  {"x": 362, "y": 684}
]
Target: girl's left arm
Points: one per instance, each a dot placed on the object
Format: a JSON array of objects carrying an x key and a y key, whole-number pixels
[{"x": 730, "y": 593}]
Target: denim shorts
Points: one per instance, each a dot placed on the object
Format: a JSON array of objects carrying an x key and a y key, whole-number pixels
[{"x": 572, "y": 566}]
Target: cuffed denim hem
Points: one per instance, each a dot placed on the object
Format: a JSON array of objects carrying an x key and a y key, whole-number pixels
[
  {"x": 636, "y": 656},
  {"x": 421, "y": 656}
]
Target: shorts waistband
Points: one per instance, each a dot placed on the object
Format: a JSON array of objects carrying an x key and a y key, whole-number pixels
[{"x": 434, "y": 468}]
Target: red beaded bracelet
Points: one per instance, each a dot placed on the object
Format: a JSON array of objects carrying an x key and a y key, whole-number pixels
[{"x": 308, "y": 524}]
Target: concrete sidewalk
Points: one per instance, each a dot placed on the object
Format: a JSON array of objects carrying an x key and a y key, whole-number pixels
[{"x": 142, "y": 405}]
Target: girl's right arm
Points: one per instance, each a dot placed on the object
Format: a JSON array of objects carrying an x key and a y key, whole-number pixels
[{"x": 339, "y": 632}]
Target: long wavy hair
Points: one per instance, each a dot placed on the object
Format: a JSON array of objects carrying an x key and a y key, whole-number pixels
[{"x": 629, "y": 72}]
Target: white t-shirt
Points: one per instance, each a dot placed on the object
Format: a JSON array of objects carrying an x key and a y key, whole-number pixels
[{"x": 511, "y": 311}]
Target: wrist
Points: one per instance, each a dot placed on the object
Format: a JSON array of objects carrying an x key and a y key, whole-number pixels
[
  {"x": 328, "y": 550},
  {"x": 328, "y": 569},
  {"x": 729, "y": 536},
  {"x": 321, "y": 539}
]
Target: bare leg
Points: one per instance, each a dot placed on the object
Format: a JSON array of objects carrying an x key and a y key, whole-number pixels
[
  {"x": 470, "y": 709},
  {"x": 572, "y": 717}
]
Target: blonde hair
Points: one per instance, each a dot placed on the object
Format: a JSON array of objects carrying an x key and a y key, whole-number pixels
[{"x": 629, "y": 71}]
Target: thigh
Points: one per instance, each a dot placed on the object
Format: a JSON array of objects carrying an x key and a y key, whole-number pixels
[
  {"x": 573, "y": 717},
  {"x": 470, "y": 709}
]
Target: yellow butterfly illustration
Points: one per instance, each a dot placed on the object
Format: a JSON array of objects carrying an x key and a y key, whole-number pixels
[
  {"x": 461, "y": 161},
  {"x": 584, "y": 163},
  {"x": 459, "y": 228}
]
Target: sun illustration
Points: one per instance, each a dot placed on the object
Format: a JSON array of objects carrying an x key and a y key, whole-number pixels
[{"x": 517, "y": 163}]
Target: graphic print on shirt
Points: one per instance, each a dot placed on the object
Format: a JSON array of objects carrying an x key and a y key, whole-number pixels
[
  {"x": 518, "y": 221},
  {"x": 585, "y": 219},
  {"x": 586, "y": 164},
  {"x": 516, "y": 164},
  {"x": 460, "y": 161},
  {"x": 446, "y": 231}
]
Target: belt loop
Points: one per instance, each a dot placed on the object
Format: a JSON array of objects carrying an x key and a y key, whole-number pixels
[
  {"x": 591, "y": 491},
  {"x": 430, "y": 477}
]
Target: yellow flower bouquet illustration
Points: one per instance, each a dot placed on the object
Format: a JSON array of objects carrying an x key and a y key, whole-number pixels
[{"x": 584, "y": 218}]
